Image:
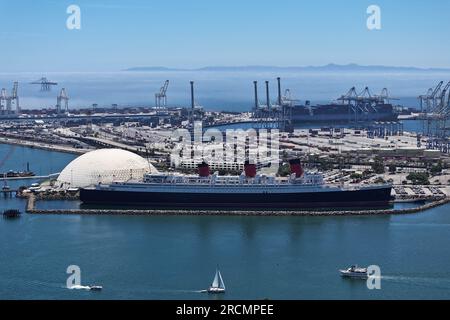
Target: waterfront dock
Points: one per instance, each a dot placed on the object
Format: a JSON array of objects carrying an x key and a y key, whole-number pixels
[{"x": 50, "y": 176}]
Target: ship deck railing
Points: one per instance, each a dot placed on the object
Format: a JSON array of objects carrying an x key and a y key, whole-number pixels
[{"x": 207, "y": 182}]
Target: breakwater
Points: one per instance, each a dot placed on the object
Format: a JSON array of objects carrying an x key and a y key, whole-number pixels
[
  {"x": 43, "y": 146},
  {"x": 31, "y": 209}
]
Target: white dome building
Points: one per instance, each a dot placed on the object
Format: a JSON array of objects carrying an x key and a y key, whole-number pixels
[{"x": 104, "y": 166}]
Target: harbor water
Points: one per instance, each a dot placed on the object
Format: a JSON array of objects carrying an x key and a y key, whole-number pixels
[{"x": 157, "y": 257}]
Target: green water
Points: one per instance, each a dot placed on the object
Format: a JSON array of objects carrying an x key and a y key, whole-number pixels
[{"x": 139, "y": 257}]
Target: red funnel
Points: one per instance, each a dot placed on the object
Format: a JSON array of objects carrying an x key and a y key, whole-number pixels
[
  {"x": 250, "y": 169},
  {"x": 203, "y": 169},
  {"x": 296, "y": 167}
]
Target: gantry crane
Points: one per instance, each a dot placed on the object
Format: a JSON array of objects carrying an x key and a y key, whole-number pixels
[
  {"x": 365, "y": 102},
  {"x": 161, "y": 97},
  {"x": 430, "y": 105},
  {"x": 14, "y": 98},
  {"x": 62, "y": 97},
  {"x": 4, "y": 101},
  {"x": 8, "y": 103},
  {"x": 45, "y": 83}
]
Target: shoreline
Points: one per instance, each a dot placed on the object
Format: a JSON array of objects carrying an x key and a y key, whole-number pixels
[
  {"x": 47, "y": 147},
  {"x": 30, "y": 209}
]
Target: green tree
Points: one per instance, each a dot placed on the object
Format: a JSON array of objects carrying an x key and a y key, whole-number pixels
[
  {"x": 284, "y": 170},
  {"x": 379, "y": 180},
  {"x": 378, "y": 166},
  {"x": 356, "y": 176},
  {"x": 436, "y": 169},
  {"x": 419, "y": 178}
]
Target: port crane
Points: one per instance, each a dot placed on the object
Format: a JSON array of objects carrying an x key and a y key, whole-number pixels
[
  {"x": 287, "y": 99},
  {"x": 4, "y": 100},
  {"x": 441, "y": 100},
  {"x": 384, "y": 96},
  {"x": 14, "y": 99},
  {"x": 365, "y": 96},
  {"x": 424, "y": 100},
  {"x": 435, "y": 108},
  {"x": 443, "y": 111},
  {"x": 429, "y": 104},
  {"x": 8, "y": 103},
  {"x": 430, "y": 99},
  {"x": 364, "y": 102},
  {"x": 45, "y": 83},
  {"x": 161, "y": 97},
  {"x": 60, "y": 98}
]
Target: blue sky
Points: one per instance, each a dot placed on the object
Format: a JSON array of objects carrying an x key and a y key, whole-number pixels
[{"x": 179, "y": 33}]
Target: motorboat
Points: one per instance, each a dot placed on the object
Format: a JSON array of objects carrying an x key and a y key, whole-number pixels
[
  {"x": 354, "y": 272},
  {"x": 96, "y": 288}
]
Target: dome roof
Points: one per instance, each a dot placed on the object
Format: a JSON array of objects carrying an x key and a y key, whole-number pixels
[{"x": 104, "y": 166}]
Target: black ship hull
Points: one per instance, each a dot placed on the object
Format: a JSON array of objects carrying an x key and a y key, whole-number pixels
[
  {"x": 364, "y": 198},
  {"x": 343, "y": 118},
  {"x": 343, "y": 113}
]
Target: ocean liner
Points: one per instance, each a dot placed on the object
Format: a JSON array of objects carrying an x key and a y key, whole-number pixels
[{"x": 248, "y": 190}]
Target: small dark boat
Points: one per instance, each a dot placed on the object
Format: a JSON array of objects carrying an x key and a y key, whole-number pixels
[
  {"x": 96, "y": 288},
  {"x": 11, "y": 213},
  {"x": 18, "y": 174}
]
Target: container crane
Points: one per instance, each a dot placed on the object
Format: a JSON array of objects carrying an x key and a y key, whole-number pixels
[
  {"x": 45, "y": 83},
  {"x": 14, "y": 99},
  {"x": 62, "y": 97},
  {"x": 8, "y": 103},
  {"x": 161, "y": 97}
]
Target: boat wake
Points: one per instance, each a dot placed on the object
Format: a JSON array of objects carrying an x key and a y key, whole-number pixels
[
  {"x": 443, "y": 283},
  {"x": 187, "y": 291},
  {"x": 78, "y": 287},
  {"x": 173, "y": 291}
]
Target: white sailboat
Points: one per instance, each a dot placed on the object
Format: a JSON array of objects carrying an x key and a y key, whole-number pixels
[{"x": 217, "y": 286}]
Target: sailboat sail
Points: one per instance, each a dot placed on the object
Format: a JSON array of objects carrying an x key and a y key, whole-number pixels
[
  {"x": 217, "y": 286},
  {"x": 221, "y": 284},
  {"x": 215, "y": 283}
]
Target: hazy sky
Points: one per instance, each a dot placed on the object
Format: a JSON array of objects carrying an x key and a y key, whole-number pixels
[{"x": 178, "y": 33}]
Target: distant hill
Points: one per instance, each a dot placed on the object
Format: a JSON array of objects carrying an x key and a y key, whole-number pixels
[
  {"x": 151, "y": 69},
  {"x": 327, "y": 68}
]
